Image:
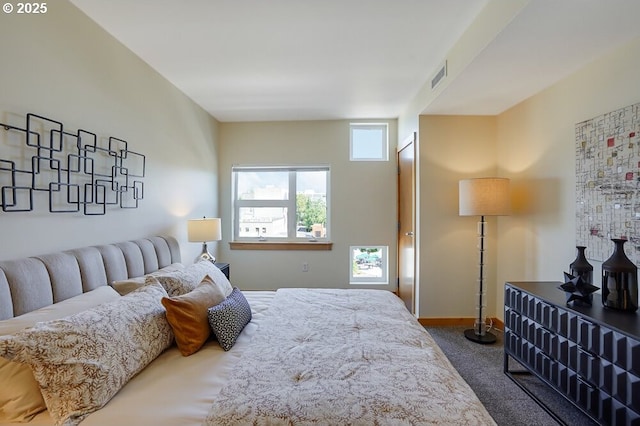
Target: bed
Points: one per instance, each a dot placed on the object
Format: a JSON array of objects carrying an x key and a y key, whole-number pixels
[{"x": 95, "y": 356}]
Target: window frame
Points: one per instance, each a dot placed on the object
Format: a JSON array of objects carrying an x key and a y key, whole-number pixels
[
  {"x": 371, "y": 126},
  {"x": 290, "y": 203},
  {"x": 383, "y": 279}
]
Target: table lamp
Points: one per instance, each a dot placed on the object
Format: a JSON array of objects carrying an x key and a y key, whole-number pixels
[{"x": 202, "y": 231}]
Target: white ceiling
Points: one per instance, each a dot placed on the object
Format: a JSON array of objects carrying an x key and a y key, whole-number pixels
[{"x": 257, "y": 60}]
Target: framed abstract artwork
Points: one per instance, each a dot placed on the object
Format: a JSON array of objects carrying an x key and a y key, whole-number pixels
[{"x": 608, "y": 182}]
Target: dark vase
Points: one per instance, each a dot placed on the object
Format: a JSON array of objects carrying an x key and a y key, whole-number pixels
[
  {"x": 581, "y": 267},
  {"x": 620, "y": 280}
]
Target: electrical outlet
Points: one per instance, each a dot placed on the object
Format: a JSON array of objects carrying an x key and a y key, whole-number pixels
[{"x": 305, "y": 267}]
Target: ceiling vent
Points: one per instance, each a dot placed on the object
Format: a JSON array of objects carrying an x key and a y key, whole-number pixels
[{"x": 440, "y": 75}]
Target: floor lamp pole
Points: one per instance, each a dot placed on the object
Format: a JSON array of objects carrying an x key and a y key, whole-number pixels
[{"x": 479, "y": 334}]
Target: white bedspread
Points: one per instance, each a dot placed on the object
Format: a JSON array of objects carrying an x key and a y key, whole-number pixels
[{"x": 344, "y": 357}]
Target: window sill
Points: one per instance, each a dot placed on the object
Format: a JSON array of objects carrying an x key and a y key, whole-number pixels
[{"x": 284, "y": 245}]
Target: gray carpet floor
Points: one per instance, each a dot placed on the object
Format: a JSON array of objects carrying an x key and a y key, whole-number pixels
[{"x": 481, "y": 366}]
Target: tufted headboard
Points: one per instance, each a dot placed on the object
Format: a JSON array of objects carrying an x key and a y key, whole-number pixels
[{"x": 34, "y": 282}]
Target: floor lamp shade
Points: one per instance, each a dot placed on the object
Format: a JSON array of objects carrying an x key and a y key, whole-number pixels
[
  {"x": 202, "y": 231},
  {"x": 483, "y": 197}
]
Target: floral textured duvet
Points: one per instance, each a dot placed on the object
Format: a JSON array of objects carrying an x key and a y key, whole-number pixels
[{"x": 335, "y": 357}]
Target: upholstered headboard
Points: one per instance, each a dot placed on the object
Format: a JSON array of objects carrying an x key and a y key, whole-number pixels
[{"x": 32, "y": 283}]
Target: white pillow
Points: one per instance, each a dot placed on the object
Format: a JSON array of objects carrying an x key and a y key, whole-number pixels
[
  {"x": 221, "y": 280},
  {"x": 127, "y": 286},
  {"x": 183, "y": 281},
  {"x": 20, "y": 397},
  {"x": 82, "y": 360}
]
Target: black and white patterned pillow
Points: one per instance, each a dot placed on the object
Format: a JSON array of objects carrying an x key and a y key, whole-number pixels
[{"x": 228, "y": 319}]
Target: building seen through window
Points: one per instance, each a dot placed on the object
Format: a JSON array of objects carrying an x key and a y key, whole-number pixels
[{"x": 285, "y": 203}]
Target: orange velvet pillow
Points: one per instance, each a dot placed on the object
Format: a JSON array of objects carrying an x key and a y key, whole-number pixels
[{"x": 187, "y": 315}]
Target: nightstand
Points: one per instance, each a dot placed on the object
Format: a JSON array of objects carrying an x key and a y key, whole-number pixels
[{"x": 224, "y": 267}]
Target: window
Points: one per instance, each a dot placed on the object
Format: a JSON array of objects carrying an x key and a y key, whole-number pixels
[
  {"x": 369, "y": 142},
  {"x": 280, "y": 203},
  {"x": 368, "y": 265}
]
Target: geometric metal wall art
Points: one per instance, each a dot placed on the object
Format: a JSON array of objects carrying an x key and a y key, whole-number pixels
[
  {"x": 608, "y": 182},
  {"x": 78, "y": 172}
]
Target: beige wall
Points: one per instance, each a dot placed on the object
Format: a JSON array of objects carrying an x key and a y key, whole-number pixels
[
  {"x": 487, "y": 25},
  {"x": 452, "y": 148},
  {"x": 533, "y": 144},
  {"x": 536, "y": 148},
  {"x": 63, "y": 66},
  {"x": 363, "y": 201}
]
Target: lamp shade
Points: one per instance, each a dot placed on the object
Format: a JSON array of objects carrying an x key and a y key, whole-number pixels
[
  {"x": 203, "y": 230},
  {"x": 484, "y": 197}
]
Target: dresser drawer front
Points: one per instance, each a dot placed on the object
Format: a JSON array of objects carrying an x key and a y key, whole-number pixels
[{"x": 594, "y": 364}]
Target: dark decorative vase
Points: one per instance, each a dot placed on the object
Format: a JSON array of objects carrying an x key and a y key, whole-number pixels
[
  {"x": 581, "y": 267},
  {"x": 620, "y": 280}
]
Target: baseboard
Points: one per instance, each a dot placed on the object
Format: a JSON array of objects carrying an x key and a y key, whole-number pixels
[{"x": 457, "y": 322}]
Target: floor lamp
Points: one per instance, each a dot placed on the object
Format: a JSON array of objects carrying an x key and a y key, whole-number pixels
[{"x": 483, "y": 197}]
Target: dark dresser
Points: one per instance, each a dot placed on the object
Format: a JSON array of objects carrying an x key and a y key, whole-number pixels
[{"x": 590, "y": 355}]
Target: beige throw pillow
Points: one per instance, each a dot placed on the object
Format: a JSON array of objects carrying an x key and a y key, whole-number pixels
[{"x": 127, "y": 286}]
